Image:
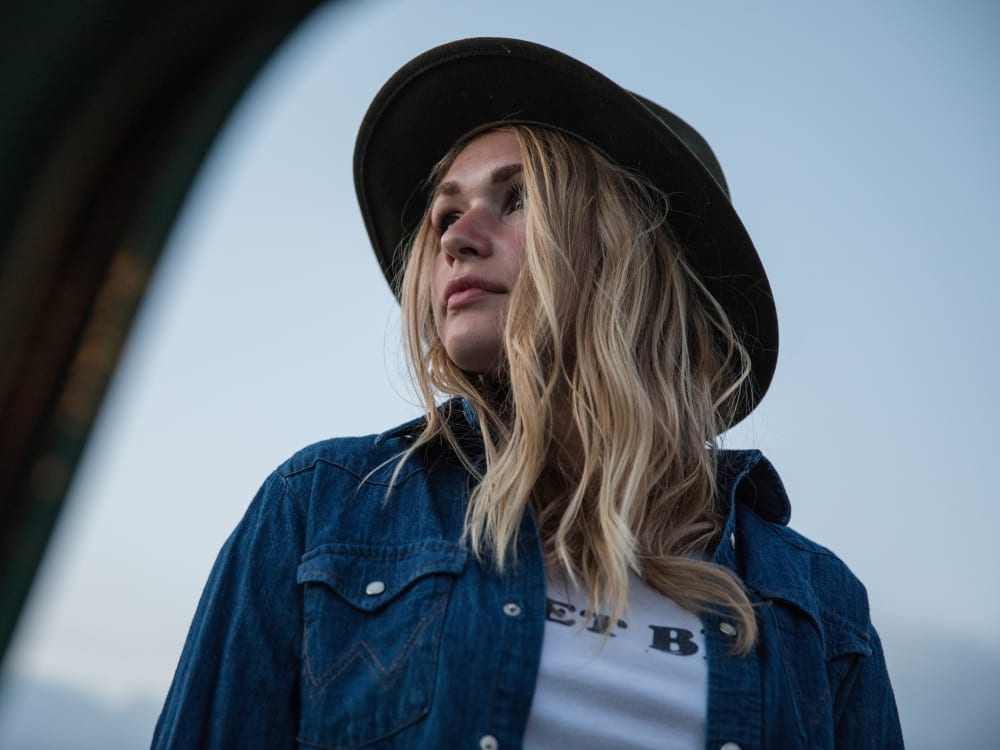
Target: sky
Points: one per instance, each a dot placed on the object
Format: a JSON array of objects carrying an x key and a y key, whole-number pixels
[{"x": 859, "y": 144}]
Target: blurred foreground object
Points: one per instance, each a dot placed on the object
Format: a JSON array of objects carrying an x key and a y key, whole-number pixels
[{"x": 108, "y": 109}]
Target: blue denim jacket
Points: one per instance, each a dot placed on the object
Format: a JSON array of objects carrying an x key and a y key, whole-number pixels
[{"x": 339, "y": 617}]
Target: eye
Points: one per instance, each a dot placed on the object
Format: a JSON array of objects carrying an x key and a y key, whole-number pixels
[
  {"x": 445, "y": 220},
  {"x": 515, "y": 201}
]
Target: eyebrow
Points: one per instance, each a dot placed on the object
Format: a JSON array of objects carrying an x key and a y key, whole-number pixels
[{"x": 500, "y": 175}]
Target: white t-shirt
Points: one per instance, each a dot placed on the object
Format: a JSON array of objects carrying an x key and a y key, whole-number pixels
[{"x": 644, "y": 687}]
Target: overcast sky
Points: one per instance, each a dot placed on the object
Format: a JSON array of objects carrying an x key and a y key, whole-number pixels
[{"x": 859, "y": 142}]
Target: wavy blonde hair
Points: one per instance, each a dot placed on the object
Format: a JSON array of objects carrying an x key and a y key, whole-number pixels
[{"x": 619, "y": 372}]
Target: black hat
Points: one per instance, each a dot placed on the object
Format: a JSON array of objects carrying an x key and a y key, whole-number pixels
[{"x": 443, "y": 94}]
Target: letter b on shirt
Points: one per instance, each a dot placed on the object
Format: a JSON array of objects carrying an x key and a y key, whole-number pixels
[{"x": 673, "y": 640}]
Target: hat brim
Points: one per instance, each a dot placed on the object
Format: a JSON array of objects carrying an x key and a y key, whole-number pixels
[{"x": 445, "y": 93}]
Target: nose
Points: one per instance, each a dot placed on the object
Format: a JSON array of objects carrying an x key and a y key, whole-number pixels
[{"x": 469, "y": 237}]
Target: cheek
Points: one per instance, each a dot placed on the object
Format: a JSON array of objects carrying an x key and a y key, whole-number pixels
[
  {"x": 437, "y": 278},
  {"x": 516, "y": 253}
]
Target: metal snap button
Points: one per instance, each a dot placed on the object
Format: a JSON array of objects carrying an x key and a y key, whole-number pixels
[
  {"x": 728, "y": 629},
  {"x": 730, "y": 746},
  {"x": 512, "y": 610},
  {"x": 488, "y": 742},
  {"x": 375, "y": 588},
  {"x": 732, "y": 540}
]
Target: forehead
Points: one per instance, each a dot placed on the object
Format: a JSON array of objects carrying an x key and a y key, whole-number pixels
[{"x": 483, "y": 154}]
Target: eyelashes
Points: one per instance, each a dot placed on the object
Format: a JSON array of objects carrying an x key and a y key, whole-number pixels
[
  {"x": 444, "y": 222},
  {"x": 516, "y": 199}
]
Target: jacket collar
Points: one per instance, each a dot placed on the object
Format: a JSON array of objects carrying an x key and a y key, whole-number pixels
[
  {"x": 745, "y": 476},
  {"x": 768, "y": 558},
  {"x": 457, "y": 411},
  {"x": 411, "y": 429}
]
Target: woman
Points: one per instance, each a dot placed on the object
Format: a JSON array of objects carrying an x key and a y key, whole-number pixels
[{"x": 558, "y": 555}]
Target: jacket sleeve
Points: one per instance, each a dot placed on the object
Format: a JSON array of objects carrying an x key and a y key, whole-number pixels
[
  {"x": 865, "y": 711},
  {"x": 238, "y": 678}
]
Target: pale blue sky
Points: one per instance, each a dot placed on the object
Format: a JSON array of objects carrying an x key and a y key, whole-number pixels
[{"x": 859, "y": 142}]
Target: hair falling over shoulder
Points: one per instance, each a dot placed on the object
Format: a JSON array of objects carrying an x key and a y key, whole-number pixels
[{"x": 620, "y": 373}]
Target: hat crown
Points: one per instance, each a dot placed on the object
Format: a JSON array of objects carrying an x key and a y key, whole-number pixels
[{"x": 691, "y": 138}]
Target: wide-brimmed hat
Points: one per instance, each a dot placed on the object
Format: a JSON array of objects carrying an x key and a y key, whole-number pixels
[{"x": 451, "y": 90}]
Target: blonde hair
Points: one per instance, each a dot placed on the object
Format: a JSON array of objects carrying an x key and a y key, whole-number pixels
[{"x": 619, "y": 372}]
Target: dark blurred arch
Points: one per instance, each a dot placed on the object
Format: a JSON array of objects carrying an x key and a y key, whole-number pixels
[{"x": 107, "y": 108}]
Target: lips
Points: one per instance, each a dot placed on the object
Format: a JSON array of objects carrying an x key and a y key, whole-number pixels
[{"x": 463, "y": 289}]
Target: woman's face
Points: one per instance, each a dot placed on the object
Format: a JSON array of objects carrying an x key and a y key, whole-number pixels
[{"x": 478, "y": 213}]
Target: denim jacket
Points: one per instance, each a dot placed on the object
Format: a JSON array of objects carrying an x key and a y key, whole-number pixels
[{"x": 340, "y": 616}]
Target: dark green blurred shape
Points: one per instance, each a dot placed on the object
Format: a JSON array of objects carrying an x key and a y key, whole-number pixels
[{"x": 107, "y": 108}]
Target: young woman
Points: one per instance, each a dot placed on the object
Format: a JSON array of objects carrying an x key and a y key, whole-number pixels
[{"x": 558, "y": 554}]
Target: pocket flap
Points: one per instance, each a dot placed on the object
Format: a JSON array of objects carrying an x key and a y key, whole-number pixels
[{"x": 368, "y": 576}]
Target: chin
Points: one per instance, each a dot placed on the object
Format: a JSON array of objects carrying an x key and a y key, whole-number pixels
[
  {"x": 477, "y": 366},
  {"x": 474, "y": 360}
]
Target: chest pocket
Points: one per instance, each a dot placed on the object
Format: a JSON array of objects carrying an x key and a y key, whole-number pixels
[
  {"x": 820, "y": 657},
  {"x": 373, "y": 618}
]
